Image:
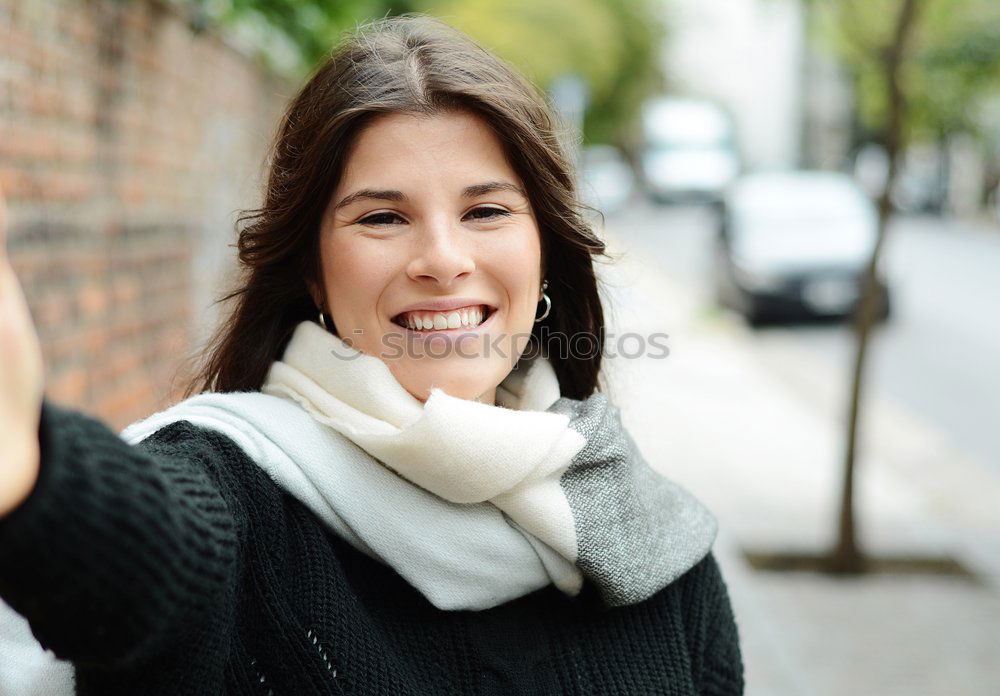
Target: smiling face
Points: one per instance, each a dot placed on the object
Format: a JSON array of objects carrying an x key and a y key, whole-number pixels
[{"x": 430, "y": 229}]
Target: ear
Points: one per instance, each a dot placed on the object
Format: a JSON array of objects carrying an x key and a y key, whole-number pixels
[{"x": 316, "y": 293}]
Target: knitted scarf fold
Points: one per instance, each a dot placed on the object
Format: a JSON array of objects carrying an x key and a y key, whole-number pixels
[{"x": 473, "y": 504}]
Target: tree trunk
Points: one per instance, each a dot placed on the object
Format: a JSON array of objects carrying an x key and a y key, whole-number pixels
[{"x": 847, "y": 556}]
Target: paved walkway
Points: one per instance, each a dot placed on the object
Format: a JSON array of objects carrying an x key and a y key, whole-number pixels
[{"x": 765, "y": 455}]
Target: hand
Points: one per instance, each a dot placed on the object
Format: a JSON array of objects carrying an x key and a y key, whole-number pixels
[{"x": 21, "y": 386}]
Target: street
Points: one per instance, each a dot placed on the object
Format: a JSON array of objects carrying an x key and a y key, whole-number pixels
[
  {"x": 939, "y": 355},
  {"x": 752, "y": 422}
]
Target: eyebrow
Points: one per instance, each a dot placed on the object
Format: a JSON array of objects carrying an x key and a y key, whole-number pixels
[
  {"x": 398, "y": 196},
  {"x": 491, "y": 187}
]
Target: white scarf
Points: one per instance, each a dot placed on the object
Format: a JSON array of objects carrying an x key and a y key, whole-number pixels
[{"x": 473, "y": 504}]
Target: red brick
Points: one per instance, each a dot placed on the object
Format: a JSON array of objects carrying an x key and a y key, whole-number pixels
[
  {"x": 91, "y": 147},
  {"x": 68, "y": 387},
  {"x": 93, "y": 299}
]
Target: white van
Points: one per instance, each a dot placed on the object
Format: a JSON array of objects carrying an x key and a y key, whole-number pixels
[{"x": 689, "y": 151}]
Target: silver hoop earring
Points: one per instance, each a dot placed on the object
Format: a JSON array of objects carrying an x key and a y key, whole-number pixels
[
  {"x": 322, "y": 320},
  {"x": 546, "y": 300}
]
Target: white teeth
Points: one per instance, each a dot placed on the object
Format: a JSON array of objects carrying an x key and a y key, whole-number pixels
[{"x": 468, "y": 317}]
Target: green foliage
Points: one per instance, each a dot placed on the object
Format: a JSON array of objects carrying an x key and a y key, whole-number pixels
[
  {"x": 612, "y": 44},
  {"x": 639, "y": 72},
  {"x": 953, "y": 65},
  {"x": 544, "y": 39},
  {"x": 293, "y": 35}
]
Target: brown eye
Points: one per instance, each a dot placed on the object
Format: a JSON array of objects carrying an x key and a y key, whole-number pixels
[
  {"x": 379, "y": 219},
  {"x": 487, "y": 213}
]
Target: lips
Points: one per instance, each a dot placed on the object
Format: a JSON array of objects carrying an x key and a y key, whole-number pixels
[
  {"x": 465, "y": 317},
  {"x": 444, "y": 304},
  {"x": 468, "y": 318},
  {"x": 449, "y": 335}
]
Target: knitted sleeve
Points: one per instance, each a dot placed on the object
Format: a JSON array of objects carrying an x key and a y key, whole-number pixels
[
  {"x": 118, "y": 546},
  {"x": 721, "y": 660}
]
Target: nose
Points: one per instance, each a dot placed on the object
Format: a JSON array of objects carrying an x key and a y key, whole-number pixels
[{"x": 442, "y": 254}]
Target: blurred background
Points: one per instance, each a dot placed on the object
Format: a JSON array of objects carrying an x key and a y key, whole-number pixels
[{"x": 749, "y": 161}]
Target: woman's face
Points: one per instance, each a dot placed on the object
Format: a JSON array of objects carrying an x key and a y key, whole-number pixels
[{"x": 431, "y": 255}]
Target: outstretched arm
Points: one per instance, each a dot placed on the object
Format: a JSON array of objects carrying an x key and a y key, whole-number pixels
[{"x": 118, "y": 548}]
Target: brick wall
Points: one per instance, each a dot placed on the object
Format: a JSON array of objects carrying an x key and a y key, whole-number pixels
[{"x": 127, "y": 144}]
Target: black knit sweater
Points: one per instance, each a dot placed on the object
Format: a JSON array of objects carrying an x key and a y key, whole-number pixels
[{"x": 178, "y": 567}]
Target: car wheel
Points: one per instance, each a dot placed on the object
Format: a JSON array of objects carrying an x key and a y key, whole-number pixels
[
  {"x": 885, "y": 307},
  {"x": 754, "y": 315}
]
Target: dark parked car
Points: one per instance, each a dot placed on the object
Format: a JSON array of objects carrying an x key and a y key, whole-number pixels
[{"x": 795, "y": 245}]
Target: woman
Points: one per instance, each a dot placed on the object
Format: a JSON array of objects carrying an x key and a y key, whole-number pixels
[{"x": 399, "y": 476}]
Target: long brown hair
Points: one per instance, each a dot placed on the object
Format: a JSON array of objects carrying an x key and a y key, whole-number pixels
[{"x": 415, "y": 65}]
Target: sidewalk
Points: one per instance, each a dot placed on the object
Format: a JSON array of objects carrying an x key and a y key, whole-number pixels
[{"x": 766, "y": 457}]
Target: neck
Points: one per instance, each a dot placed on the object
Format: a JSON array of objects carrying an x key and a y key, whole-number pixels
[{"x": 488, "y": 397}]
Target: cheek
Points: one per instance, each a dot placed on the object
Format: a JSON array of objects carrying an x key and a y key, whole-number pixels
[
  {"x": 517, "y": 263},
  {"x": 355, "y": 274}
]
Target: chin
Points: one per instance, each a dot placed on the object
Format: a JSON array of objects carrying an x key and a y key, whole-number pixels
[{"x": 465, "y": 382}]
